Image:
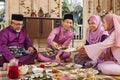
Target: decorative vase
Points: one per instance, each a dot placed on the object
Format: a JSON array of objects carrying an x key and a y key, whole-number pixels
[
  {"x": 33, "y": 14},
  {"x": 47, "y": 15},
  {"x": 40, "y": 13}
]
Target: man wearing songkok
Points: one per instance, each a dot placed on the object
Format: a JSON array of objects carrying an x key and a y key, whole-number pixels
[
  {"x": 15, "y": 43},
  {"x": 59, "y": 38}
]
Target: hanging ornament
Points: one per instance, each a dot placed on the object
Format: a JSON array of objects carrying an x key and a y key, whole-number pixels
[
  {"x": 98, "y": 9},
  {"x": 111, "y": 6},
  {"x": 89, "y": 6}
]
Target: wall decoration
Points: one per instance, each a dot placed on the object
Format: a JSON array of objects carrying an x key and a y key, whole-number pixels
[
  {"x": 98, "y": 9},
  {"x": 25, "y": 7},
  {"x": 111, "y": 5},
  {"x": 89, "y": 6},
  {"x": 56, "y": 9},
  {"x": 40, "y": 12},
  {"x": 117, "y": 7},
  {"x": 118, "y": 4}
]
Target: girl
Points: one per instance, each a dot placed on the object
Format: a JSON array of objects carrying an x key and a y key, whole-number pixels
[{"x": 96, "y": 34}]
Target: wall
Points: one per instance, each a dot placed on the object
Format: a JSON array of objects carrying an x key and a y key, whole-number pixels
[
  {"x": 91, "y": 5},
  {"x": 25, "y": 7},
  {"x": 51, "y": 6}
]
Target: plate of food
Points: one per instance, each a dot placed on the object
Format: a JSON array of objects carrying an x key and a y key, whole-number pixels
[
  {"x": 23, "y": 69},
  {"x": 45, "y": 49},
  {"x": 51, "y": 64},
  {"x": 69, "y": 66},
  {"x": 70, "y": 50}
]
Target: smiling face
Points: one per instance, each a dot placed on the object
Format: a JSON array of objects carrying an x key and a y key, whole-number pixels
[
  {"x": 67, "y": 24},
  {"x": 17, "y": 25},
  {"x": 92, "y": 26}
]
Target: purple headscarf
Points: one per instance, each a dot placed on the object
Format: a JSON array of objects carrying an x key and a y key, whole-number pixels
[{"x": 95, "y": 36}]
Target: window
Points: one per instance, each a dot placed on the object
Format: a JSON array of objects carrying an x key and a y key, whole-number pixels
[
  {"x": 76, "y": 8},
  {"x": 2, "y": 14},
  {"x": 2, "y": 11}
]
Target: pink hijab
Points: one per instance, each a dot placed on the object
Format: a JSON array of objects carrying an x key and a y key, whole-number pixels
[
  {"x": 113, "y": 22},
  {"x": 95, "y": 36}
]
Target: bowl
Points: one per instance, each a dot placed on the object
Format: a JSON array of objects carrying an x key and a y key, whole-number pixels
[{"x": 37, "y": 70}]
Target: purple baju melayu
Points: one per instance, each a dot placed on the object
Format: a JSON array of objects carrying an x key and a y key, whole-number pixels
[
  {"x": 59, "y": 36},
  {"x": 9, "y": 37}
]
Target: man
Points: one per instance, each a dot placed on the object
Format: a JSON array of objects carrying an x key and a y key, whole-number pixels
[
  {"x": 58, "y": 39},
  {"x": 15, "y": 43}
]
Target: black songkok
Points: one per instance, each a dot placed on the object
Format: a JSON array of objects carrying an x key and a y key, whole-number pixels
[
  {"x": 68, "y": 16},
  {"x": 18, "y": 17}
]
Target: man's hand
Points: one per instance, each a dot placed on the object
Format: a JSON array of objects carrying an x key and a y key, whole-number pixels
[
  {"x": 31, "y": 50},
  {"x": 58, "y": 58},
  {"x": 14, "y": 61},
  {"x": 54, "y": 45},
  {"x": 64, "y": 47}
]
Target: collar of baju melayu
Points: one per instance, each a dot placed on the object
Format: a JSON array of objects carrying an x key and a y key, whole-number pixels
[
  {"x": 11, "y": 29},
  {"x": 62, "y": 29}
]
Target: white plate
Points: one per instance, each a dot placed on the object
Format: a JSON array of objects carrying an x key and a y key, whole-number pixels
[
  {"x": 78, "y": 66},
  {"x": 37, "y": 70},
  {"x": 95, "y": 71},
  {"x": 70, "y": 50},
  {"x": 51, "y": 64}
]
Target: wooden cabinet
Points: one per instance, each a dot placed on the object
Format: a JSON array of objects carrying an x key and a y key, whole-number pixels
[
  {"x": 46, "y": 27},
  {"x": 39, "y": 28}
]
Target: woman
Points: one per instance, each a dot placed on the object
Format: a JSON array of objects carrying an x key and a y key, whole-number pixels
[
  {"x": 58, "y": 39},
  {"x": 111, "y": 66},
  {"x": 96, "y": 34}
]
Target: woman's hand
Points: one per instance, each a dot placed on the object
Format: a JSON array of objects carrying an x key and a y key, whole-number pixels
[
  {"x": 81, "y": 49},
  {"x": 78, "y": 49},
  {"x": 31, "y": 50}
]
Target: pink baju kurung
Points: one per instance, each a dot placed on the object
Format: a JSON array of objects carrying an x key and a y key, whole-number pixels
[
  {"x": 111, "y": 66},
  {"x": 93, "y": 37}
]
